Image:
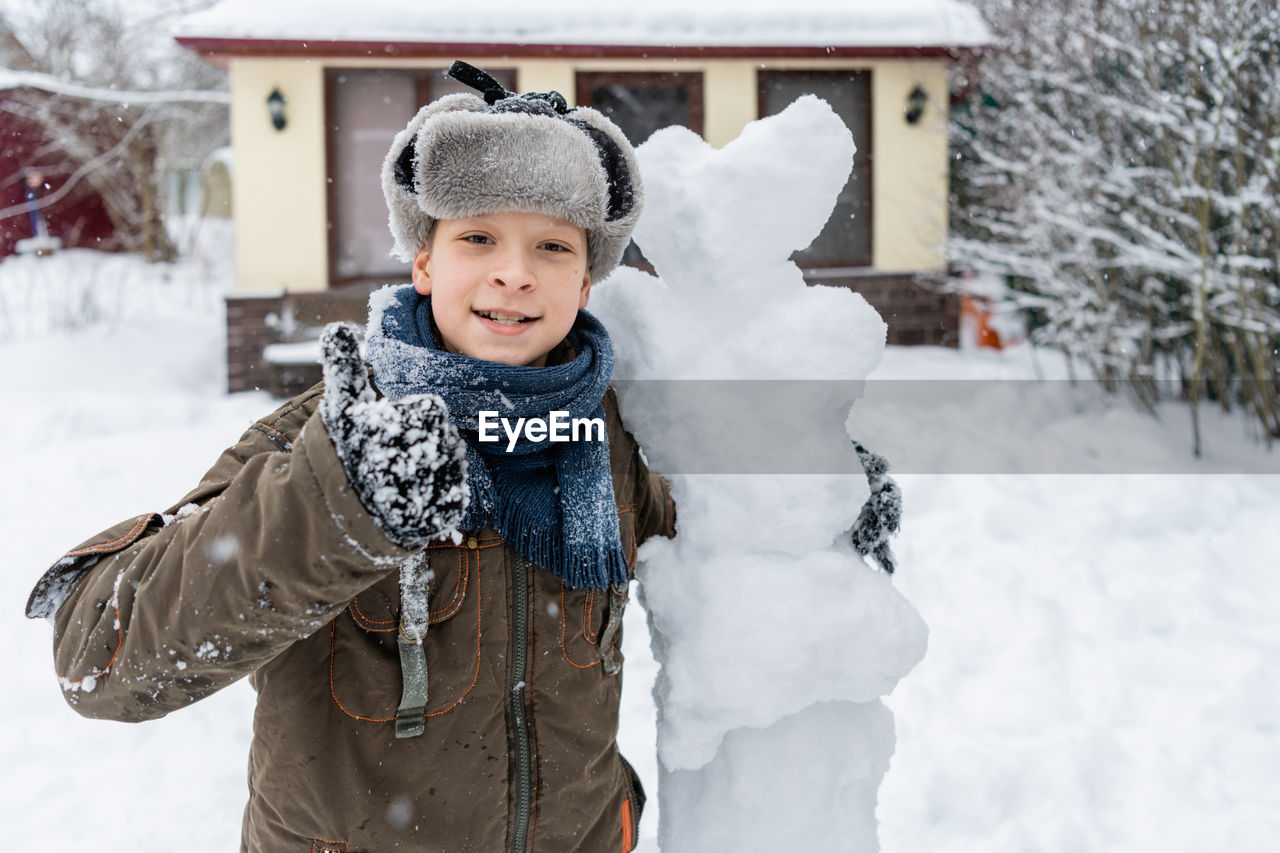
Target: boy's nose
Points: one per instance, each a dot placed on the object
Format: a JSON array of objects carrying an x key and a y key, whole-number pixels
[{"x": 514, "y": 269}]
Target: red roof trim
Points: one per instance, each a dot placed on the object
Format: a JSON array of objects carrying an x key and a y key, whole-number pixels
[{"x": 224, "y": 47}]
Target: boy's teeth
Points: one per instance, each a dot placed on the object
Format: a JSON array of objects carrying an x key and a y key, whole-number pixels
[{"x": 502, "y": 318}]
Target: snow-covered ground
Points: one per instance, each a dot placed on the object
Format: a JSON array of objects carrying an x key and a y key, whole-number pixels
[{"x": 1101, "y": 669}]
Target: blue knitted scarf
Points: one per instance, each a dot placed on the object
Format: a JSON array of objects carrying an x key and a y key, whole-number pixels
[{"x": 553, "y": 502}]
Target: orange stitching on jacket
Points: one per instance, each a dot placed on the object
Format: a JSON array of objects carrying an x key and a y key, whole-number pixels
[
  {"x": 327, "y": 842},
  {"x": 140, "y": 526},
  {"x": 333, "y": 647},
  {"x": 333, "y": 642},
  {"x": 455, "y": 602},
  {"x": 479, "y": 622},
  {"x": 563, "y": 620},
  {"x": 626, "y": 825},
  {"x": 358, "y": 615},
  {"x": 272, "y": 429},
  {"x": 587, "y": 634},
  {"x": 459, "y": 595}
]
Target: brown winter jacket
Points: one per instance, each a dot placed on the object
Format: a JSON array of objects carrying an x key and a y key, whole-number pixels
[{"x": 271, "y": 568}]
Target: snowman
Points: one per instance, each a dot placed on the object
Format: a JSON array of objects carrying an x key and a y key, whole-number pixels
[{"x": 775, "y": 639}]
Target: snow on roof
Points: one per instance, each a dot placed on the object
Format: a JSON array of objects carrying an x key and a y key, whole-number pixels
[{"x": 727, "y": 23}]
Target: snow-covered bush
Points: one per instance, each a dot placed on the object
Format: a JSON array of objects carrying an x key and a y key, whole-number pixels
[{"x": 1119, "y": 162}]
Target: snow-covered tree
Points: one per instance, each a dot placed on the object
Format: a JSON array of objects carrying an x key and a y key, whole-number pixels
[
  {"x": 120, "y": 103},
  {"x": 1119, "y": 161}
]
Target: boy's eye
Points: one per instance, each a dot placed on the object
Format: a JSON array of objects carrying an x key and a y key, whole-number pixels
[
  {"x": 477, "y": 238},
  {"x": 556, "y": 247}
]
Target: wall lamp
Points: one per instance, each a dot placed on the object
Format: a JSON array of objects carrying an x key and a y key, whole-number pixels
[
  {"x": 275, "y": 107},
  {"x": 916, "y": 102}
]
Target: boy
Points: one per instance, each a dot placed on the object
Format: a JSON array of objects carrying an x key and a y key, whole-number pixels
[{"x": 418, "y": 689}]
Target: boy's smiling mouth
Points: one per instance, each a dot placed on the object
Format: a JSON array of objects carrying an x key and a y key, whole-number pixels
[{"x": 504, "y": 318}]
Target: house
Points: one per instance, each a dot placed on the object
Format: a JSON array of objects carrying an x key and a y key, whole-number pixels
[{"x": 319, "y": 89}]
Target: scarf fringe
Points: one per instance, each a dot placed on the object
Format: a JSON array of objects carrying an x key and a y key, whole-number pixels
[
  {"x": 521, "y": 524},
  {"x": 580, "y": 568}
]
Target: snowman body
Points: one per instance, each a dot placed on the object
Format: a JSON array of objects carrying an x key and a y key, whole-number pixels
[{"x": 775, "y": 640}]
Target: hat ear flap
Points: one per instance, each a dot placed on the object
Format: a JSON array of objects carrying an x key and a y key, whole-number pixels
[
  {"x": 622, "y": 197},
  {"x": 405, "y": 166},
  {"x": 625, "y": 188}
]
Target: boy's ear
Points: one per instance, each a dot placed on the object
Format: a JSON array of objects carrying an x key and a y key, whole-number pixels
[
  {"x": 586, "y": 290},
  {"x": 422, "y": 272}
]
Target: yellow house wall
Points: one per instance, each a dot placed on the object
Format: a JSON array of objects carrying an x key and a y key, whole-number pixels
[
  {"x": 279, "y": 180},
  {"x": 280, "y": 176},
  {"x": 909, "y": 174}
]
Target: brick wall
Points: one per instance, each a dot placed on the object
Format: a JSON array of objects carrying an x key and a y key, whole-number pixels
[
  {"x": 247, "y": 335},
  {"x": 297, "y": 317},
  {"x": 913, "y": 305}
]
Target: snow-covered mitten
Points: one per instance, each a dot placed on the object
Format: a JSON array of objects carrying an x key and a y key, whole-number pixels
[
  {"x": 404, "y": 458},
  {"x": 881, "y": 515}
]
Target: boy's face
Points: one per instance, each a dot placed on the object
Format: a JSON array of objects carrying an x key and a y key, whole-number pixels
[{"x": 504, "y": 287}]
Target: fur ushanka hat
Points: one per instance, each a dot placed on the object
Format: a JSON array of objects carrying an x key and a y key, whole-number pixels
[{"x": 466, "y": 155}]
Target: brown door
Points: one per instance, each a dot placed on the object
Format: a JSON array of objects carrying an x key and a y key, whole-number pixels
[{"x": 846, "y": 239}]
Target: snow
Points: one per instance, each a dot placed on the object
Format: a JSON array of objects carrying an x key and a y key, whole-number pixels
[
  {"x": 112, "y": 373},
  {"x": 1100, "y": 672},
  {"x": 906, "y": 23},
  {"x": 298, "y": 352}
]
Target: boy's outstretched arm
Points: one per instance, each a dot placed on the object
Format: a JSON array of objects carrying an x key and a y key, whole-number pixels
[{"x": 163, "y": 610}]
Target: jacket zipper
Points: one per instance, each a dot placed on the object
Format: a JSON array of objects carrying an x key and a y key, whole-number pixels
[{"x": 519, "y": 719}]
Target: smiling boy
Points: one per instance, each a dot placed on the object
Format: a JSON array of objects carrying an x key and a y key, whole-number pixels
[
  {"x": 507, "y": 285},
  {"x": 432, "y": 623}
]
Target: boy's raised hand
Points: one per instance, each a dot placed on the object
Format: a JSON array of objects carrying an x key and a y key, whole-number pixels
[{"x": 404, "y": 458}]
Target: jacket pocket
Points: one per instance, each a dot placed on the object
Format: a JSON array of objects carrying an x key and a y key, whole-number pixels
[
  {"x": 585, "y": 615},
  {"x": 365, "y": 678}
]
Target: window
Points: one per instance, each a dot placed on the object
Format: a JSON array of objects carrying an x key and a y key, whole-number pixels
[
  {"x": 846, "y": 240},
  {"x": 641, "y": 103},
  {"x": 365, "y": 109}
]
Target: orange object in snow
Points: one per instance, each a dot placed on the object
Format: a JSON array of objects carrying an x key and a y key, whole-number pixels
[{"x": 976, "y": 316}]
